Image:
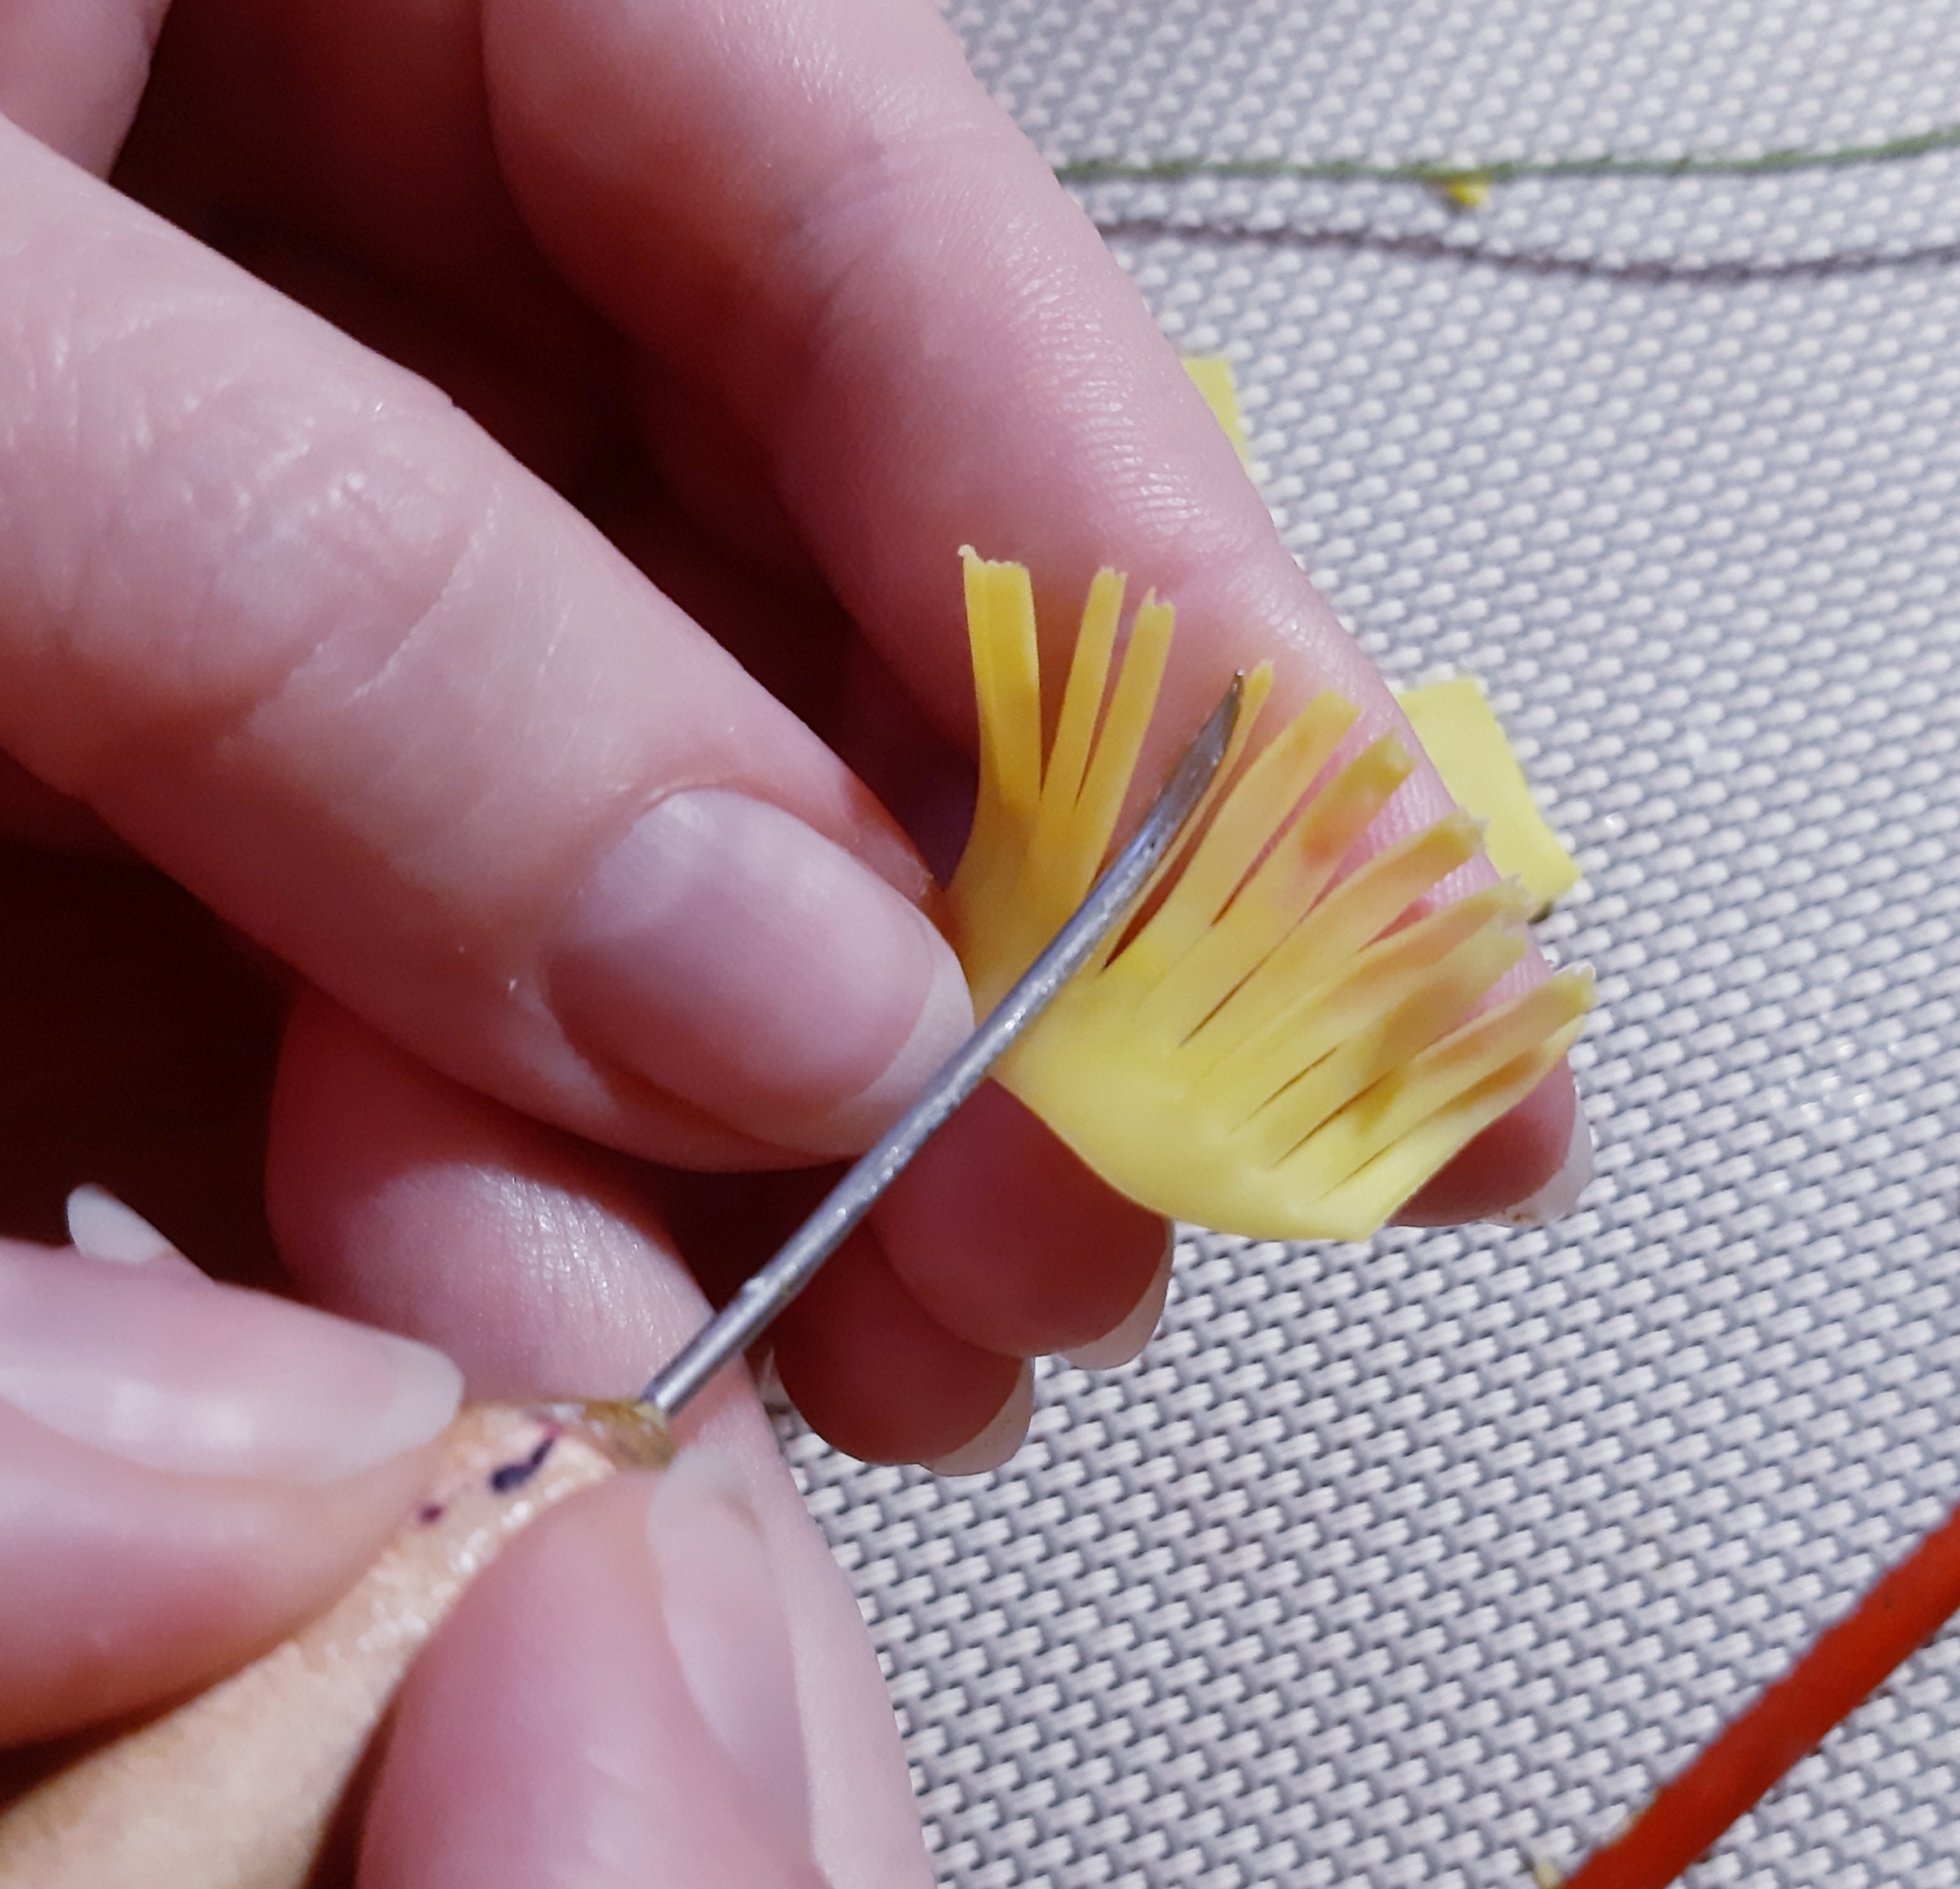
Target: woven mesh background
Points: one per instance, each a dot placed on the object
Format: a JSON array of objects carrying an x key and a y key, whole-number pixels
[{"x": 1410, "y": 1563}]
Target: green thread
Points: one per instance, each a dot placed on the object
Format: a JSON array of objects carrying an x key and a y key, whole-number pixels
[{"x": 1468, "y": 185}]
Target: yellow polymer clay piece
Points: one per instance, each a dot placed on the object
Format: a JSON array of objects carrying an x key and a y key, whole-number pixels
[
  {"x": 1211, "y": 375},
  {"x": 1281, "y": 1048},
  {"x": 1461, "y": 736}
]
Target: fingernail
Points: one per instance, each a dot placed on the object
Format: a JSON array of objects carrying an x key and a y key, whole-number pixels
[
  {"x": 1125, "y": 1341},
  {"x": 1560, "y": 1194},
  {"x": 734, "y": 957},
  {"x": 102, "y": 1227},
  {"x": 1003, "y": 1435},
  {"x": 769, "y": 1385},
  {"x": 723, "y": 1614},
  {"x": 198, "y": 1379}
]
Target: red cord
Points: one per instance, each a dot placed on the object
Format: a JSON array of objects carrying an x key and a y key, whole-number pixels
[{"x": 1844, "y": 1666}]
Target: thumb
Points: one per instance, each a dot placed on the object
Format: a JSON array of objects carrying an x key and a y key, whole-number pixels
[
  {"x": 656, "y": 1735},
  {"x": 305, "y": 637}
]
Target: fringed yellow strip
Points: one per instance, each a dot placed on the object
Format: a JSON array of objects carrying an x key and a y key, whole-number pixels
[{"x": 1284, "y": 1048}]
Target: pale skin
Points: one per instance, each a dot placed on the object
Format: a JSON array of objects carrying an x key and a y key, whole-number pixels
[{"x": 395, "y": 632}]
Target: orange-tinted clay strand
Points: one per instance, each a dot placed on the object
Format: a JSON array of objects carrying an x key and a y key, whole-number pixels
[{"x": 1848, "y": 1662}]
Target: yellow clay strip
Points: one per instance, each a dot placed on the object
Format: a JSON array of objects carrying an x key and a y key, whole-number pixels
[
  {"x": 1403, "y": 1008},
  {"x": 1140, "y": 972},
  {"x": 1122, "y": 741},
  {"x": 1387, "y": 971},
  {"x": 1401, "y": 1103},
  {"x": 1278, "y": 776},
  {"x": 1211, "y": 375},
  {"x": 1273, "y": 907},
  {"x": 1008, "y": 679},
  {"x": 1366, "y": 1199},
  {"x": 1358, "y": 910},
  {"x": 1082, "y": 703}
]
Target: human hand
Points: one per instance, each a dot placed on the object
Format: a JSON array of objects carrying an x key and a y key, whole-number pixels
[
  {"x": 192, "y": 1471},
  {"x": 783, "y": 306}
]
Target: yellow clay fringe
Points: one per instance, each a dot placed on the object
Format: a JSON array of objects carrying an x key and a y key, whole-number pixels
[{"x": 1281, "y": 1049}]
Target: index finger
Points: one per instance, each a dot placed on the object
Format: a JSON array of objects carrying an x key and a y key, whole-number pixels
[{"x": 816, "y": 216}]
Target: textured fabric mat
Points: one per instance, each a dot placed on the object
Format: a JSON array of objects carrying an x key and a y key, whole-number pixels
[{"x": 1413, "y": 1562}]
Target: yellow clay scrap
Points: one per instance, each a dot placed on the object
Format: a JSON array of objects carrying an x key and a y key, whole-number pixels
[
  {"x": 1464, "y": 740},
  {"x": 1211, "y": 375},
  {"x": 1282, "y": 1048}
]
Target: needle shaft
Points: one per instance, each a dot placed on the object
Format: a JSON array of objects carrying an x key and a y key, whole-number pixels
[{"x": 766, "y": 1293}]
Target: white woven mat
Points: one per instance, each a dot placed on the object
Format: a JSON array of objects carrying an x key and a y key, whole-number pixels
[{"x": 1407, "y": 1564}]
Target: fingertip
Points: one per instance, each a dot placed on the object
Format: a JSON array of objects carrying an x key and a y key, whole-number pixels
[
  {"x": 1004, "y": 1237},
  {"x": 1125, "y": 1342},
  {"x": 1537, "y": 1158},
  {"x": 72, "y": 75},
  {"x": 555, "y": 1728},
  {"x": 875, "y": 1375},
  {"x": 188, "y": 1378},
  {"x": 725, "y": 1618},
  {"x": 1557, "y": 1197},
  {"x": 1003, "y": 1435}
]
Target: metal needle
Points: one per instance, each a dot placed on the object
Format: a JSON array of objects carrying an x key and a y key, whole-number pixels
[{"x": 766, "y": 1293}]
